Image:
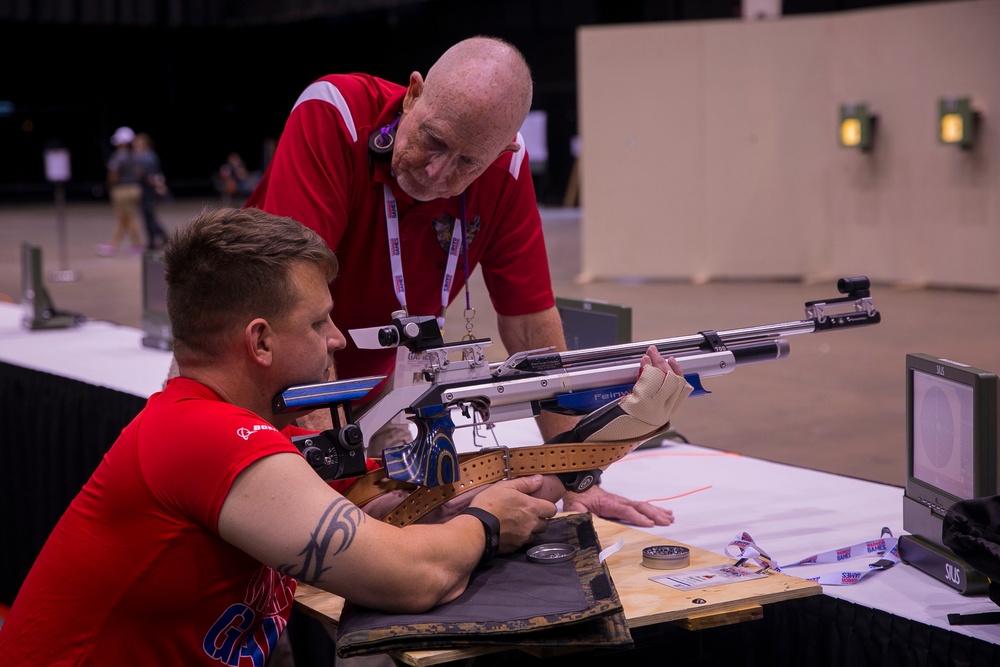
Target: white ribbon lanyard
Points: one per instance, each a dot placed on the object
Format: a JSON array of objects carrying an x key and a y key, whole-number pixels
[
  {"x": 396, "y": 257},
  {"x": 886, "y": 547}
]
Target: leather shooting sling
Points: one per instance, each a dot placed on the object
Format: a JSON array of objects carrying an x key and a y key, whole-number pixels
[{"x": 487, "y": 466}]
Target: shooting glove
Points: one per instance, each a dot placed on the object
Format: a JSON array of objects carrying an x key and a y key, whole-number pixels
[{"x": 645, "y": 411}]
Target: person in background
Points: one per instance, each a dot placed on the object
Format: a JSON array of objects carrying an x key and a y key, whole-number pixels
[
  {"x": 154, "y": 189},
  {"x": 444, "y": 156},
  {"x": 236, "y": 181},
  {"x": 266, "y": 153},
  {"x": 125, "y": 191}
]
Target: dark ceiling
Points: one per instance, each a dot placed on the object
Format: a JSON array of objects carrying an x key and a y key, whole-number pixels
[
  {"x": 244, "y": 13},
  {"x": 208, "y": 77}
]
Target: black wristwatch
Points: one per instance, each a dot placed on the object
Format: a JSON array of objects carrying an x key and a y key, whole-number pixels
[
  {"x": 578, "y": 482},
  {"x": 491, "y": 526}
]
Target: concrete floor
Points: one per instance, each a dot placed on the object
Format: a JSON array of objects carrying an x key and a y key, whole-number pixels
[{"x": 836, "y": 404}]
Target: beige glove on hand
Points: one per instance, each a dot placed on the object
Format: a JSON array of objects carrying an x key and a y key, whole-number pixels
[{"x": 645, "y": 411}]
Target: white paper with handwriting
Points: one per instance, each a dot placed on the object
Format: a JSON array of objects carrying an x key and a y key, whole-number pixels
[{"x": 707, "y": 576}]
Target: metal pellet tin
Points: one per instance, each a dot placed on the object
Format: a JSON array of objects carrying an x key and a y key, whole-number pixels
[
  {"x": 666, "y": 557},
  {"x": 551, "y": 553}
]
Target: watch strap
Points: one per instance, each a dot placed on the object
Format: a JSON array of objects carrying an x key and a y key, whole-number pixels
[
  {"x": 580, "y": 481},
  {"x": 491, "y": 527}
]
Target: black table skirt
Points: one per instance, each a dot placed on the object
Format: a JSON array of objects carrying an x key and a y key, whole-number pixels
[
  {"x": 818, "y": 631},
  {"x": 53, "y": 433}
]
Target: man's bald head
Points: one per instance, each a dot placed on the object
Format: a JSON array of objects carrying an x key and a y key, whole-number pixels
[
  {"x": 461, "y": 118},
  {"x": 489, "y": 76}
]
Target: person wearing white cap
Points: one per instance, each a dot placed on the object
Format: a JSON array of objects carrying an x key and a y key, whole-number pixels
[{"x": 125, "y": 190}]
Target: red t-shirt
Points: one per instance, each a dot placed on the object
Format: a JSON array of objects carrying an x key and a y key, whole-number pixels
[
  {"x": 321, "y": 176},
  {"x": 135, "y": 571}
]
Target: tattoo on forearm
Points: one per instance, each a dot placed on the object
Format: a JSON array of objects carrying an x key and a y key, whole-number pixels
[{"x": 333, "y": 534}]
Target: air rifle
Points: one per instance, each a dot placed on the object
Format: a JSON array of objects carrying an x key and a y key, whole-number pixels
[{"x": 428, "y": 383}]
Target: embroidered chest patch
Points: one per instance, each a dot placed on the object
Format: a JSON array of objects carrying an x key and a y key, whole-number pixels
[{"x": 444, "y": 225}]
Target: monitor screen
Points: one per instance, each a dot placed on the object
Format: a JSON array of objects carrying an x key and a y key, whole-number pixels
[
  {"x": 39, "y": 311},
  {"x": 951, "y": 440},
  {"x": 589, "y": 323},
  {"x": 942, "y": 434},
  {"x": 155, "y": 320},
  {"x": 154, "y": 285},
  {"x": 32, "y": 285}
]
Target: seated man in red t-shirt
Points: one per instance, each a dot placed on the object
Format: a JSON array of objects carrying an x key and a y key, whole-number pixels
[{"x": 186, "y": 544}]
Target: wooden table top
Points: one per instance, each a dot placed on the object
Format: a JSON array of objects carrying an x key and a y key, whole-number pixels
[{"x": 645, "y": 602}]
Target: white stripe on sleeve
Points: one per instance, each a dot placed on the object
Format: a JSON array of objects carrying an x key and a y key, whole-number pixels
[{"x": 329, "y": 93}]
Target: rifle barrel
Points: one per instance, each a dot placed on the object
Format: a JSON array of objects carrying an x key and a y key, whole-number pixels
[{"x": 667, "y": 346}]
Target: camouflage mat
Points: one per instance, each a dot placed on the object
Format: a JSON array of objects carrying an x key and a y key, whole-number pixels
[{"x": 511, "y": 602}]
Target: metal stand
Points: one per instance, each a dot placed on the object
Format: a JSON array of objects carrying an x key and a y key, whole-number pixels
[{"x": 64, "y": 274}]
